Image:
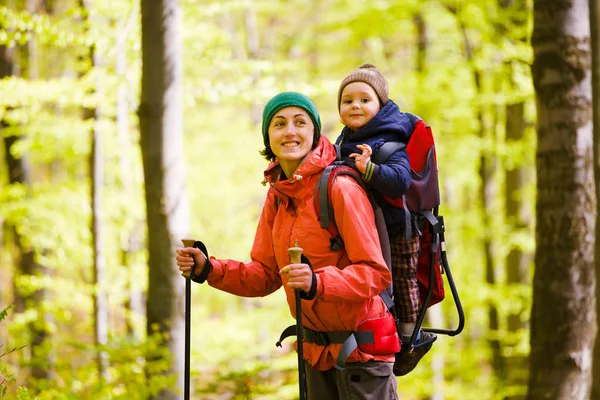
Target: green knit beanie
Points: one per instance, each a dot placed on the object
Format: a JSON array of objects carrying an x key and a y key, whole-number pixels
[{"x": 289, "y": 99}]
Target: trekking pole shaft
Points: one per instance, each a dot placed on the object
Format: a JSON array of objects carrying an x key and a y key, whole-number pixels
[
  {"x": 188, "y": 318},
  {"x": 188, "y": 292},
  {"x": 295, "y": 258}
]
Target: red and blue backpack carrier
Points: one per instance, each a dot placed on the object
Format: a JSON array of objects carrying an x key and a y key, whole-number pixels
[{"x": 421, "y": 201}]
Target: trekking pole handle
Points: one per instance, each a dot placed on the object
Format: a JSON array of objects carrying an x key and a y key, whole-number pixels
[
  {"x": 295, "y": 255},
  {"x": 190, "y": 243}
]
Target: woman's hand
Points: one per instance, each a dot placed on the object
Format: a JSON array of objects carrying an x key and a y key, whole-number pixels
[
  {"x": 299, "y": 276},
  {"x": 361, "y": 160},
  {"x": 185, "y": 260}
]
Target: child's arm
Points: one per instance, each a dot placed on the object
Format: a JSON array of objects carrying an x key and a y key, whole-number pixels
[{"x": 392, "y": 178}]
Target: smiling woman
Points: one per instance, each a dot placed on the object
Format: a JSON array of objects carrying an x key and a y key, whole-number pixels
[
  {"x": 276, "y": 105},
  {"x": 339, "y": 287},
  {"x": 291, "y": 134}
]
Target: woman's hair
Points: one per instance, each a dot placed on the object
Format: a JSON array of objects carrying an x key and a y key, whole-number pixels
[{"x": 270, "y": 156}]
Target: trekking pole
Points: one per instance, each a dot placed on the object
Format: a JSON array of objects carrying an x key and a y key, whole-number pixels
[
  {"x": 188, "y": 307},
  {"x": 295, "y": 254}
]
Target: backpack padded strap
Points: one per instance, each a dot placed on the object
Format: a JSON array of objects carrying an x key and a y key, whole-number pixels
[
  {"x": 323, "y": 203},
  {"x": 322, "y": 187},
  {"x": 386, "y": 150}
]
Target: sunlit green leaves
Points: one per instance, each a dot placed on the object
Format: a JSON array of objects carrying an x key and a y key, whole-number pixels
[
  {"x": 307, "y": 46},
  {"x": 18, "y": 28}
]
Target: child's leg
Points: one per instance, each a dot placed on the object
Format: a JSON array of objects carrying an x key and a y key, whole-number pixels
[{"x": 405, "y": 255}]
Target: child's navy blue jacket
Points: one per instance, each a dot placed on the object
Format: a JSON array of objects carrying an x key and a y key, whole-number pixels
[{"x": 393, "y": 177}]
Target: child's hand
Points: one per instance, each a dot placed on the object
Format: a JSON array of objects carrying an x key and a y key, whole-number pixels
[{"x": 361, "y": 160}]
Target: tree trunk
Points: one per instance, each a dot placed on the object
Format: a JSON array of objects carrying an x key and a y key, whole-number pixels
[
  {"x": 422, "y": 43},
  {"x": 100, "y": 300},
  {"x": 253, "y": 44},
  {"x": 518, "y": 218},
  {"x": 487, "y": 193},
  {"x": 517, "y": 261},
  {"x": 96, "y": 226},
  {"x": 435, "y": 315},
  {"x": 160, "y": 115},
  {"x": 19, "y": 173},
  {"x": 8, "y": 68},
  {"x": 563, "y": 310},
  {"x": 134, "y": 238},
  {"x": 595, "y": 34}
]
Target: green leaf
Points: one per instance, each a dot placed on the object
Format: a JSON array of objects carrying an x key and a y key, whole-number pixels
[{"x": 4, "y": 313}]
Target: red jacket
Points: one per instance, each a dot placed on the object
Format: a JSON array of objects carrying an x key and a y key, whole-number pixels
[{"x": 349, "y": 280}]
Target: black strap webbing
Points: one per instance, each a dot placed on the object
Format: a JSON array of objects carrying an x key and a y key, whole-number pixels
[
  {"x": 386, "y": 150},
  {"x": 324, "y": 197},
  {"x": 348, "y": 339}
]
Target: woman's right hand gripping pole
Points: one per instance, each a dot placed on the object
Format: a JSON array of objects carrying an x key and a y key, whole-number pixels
[{"x": 185, "y": 260}]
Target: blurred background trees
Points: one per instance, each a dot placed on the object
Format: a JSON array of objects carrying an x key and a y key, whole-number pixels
[{"x": 126, "y": 125}]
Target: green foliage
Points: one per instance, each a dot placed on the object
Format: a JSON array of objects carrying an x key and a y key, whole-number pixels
[
  {"x": 19, "y": 27},
  {"x": 7, "y": 377},
  {"x": 4, "y": 313},
  {"x": 309, "y": 49}
]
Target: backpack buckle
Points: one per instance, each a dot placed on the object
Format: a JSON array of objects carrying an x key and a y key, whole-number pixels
[{"x": 336, "y": 243}]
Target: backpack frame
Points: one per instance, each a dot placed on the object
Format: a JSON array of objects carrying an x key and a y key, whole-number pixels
[
  {"x": 430, "y": 266},
  {"x": 433, "y": 261}
]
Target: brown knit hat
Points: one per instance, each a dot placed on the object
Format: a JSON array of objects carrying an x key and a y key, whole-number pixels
[{"x": 368, "y": 74}]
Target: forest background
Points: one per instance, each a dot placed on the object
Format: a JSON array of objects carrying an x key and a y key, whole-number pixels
[{"x": 127, "y": 126}]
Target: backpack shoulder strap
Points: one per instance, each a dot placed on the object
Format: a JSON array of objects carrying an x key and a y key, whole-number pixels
[
  {"x": 322, "y": 200},
  {"x": 338, "y": 152},
  {"x": 323, "y": 191},
  {"x": 324, "y": 208},
  {"x": 386, "y": 150}
]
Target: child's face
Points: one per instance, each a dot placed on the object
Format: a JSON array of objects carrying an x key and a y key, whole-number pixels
[{"x": 358, "y": 105}]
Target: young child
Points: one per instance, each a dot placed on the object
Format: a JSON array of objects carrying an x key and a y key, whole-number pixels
[{"x": 370, "y": 120}]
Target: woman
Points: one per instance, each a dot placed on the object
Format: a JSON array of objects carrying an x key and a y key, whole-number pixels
[{"x": 340, "y": 289}]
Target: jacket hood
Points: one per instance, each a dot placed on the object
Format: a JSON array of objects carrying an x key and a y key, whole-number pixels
[
  {"x": 314, "y": 163},
  {"x": 389, "y": 120}
]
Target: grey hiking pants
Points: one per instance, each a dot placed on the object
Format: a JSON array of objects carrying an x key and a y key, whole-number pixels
[{"x": 372, "y": 380}]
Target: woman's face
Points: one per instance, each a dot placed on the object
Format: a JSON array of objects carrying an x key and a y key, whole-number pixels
[{"x": 291, "y": 135}]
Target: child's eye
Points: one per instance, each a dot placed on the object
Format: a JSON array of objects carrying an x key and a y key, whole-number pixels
[{"x": 365, "y": 100}]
